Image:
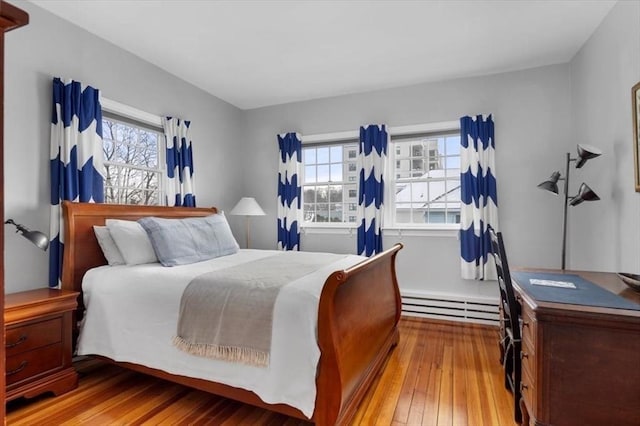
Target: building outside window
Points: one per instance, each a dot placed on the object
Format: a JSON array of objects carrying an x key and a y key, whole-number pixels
[
  {"x": 329, "y": 182},
  {"x": 427, "y": 179},
  {"x": 134, "y": 162}
]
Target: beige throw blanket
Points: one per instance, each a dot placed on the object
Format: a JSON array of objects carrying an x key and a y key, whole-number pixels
[{"x": 227, "y": 314}]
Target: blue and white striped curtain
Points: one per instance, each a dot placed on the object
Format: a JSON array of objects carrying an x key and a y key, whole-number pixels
[
  {"x": 77, "y": 159},
  {"x": 371, "y": 161},
  {"x": 289, "y": 191},
  {"x": 479, "y": 196},
  {"x": 180, "y": 190}
]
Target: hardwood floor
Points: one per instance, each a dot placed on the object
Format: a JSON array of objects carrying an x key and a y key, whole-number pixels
[{"x": 440, "y": 374}]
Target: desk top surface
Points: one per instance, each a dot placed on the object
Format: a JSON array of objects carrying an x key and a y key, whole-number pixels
[{"x": 605, "y": 280}]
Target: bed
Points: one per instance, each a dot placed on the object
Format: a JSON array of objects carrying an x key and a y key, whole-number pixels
[{"x": 357, "y": 316}]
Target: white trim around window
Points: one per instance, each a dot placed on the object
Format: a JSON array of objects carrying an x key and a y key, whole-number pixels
[
  {"x": 122, "y": 113},
  {"x": 393, "y": 131},
  {"x": 348, "y": 229},
  {"x": 131, "y": 112}
]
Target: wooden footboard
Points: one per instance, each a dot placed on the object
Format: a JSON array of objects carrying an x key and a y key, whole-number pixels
[
  {"x": 357, "y": 326},
  {"x": 357, "y": 319}
]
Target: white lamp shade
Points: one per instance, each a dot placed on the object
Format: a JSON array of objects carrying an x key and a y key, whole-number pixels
[{"x": 247, "y": 206}]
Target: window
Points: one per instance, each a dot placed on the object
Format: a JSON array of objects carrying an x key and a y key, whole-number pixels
[
  {"x": 133, "y": 162},
  {"x": 422, "y": 178},
  {"x": 427, "y": 184},
  {"x": 329, "y": 188}
]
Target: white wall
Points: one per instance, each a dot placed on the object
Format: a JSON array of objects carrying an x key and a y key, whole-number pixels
[
  {"x": 50, "y": 46},
  {"x": 606, "y": 235},
  {"x": 532, "y": 116}
]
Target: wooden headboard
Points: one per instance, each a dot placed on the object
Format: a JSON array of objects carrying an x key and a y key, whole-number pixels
[{"x": 81, "y": 249}]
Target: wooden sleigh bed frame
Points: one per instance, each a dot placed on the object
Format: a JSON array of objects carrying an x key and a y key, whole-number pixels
[{"x": 357, "y": 319}]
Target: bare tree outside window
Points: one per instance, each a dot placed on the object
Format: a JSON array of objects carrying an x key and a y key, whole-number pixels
[{"x": 132, "y": 164}]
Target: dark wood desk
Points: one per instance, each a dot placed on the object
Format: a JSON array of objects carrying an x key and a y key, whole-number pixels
[{"x": 580, "y": 364}]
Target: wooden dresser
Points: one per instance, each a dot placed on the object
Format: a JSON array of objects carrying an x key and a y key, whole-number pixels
[
  {"x": 38, "y": 342},
  {"x": 580, "y": 364}
]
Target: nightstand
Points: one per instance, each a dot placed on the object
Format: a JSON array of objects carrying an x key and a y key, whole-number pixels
[{"x": 38, "y": 342}]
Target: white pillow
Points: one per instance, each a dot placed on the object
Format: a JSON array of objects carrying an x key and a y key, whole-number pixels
[
  {"x": 132, "y": 241},
  {"x": 108, "y": 246}
]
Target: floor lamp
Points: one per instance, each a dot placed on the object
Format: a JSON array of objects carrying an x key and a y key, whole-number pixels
[
  {"x": 247, "y": 206},
  {"x": 585, "y": 152}
]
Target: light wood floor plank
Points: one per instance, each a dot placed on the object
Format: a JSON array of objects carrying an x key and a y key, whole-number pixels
[
  {"x": 179, "y": 413},
  {"x": 498, "y": 396},
  {"x": 440, "y": 374},
  {"x": 382, "y": 404},
  {"x": 445, "y": 406},
  {"x": 475, "y": 399},
  {"x": 427, "y": 414},
  {"x": 409, "y": 386},
  {"x": 460, "y": 373}
]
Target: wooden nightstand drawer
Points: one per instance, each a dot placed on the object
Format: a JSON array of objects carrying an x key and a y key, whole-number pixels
[
  {"x": 39, "y": 343},
  {"x": 24, "y": 338},
  {"x": 30, "y": 364}
]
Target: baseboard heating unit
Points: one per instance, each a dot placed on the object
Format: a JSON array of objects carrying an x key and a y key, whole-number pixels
[{"x": 450, "y": 308}]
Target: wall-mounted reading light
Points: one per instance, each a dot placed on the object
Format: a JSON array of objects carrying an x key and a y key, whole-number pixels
[{"x": 36, "y": 237}]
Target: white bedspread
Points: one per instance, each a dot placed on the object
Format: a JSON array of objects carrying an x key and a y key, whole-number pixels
[{"x": 132, "y": 313}]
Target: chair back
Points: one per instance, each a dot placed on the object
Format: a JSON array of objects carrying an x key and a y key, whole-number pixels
[{"x": 510, "y": 306}]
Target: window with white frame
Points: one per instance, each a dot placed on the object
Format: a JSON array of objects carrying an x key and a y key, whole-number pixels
[
  {"x": 426, "y": 188},
  {"x": 134, "y": 162},
  {"x": 329, "y": 183},
  {"x": 422, "y": 175}
]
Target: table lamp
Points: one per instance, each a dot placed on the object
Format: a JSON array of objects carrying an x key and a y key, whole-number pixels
[{"x": 247, "y": 206}]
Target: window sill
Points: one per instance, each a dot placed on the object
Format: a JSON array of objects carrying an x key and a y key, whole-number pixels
[
  {"x": 448, "y": 232},
  {"x": 445, "y": 232}
]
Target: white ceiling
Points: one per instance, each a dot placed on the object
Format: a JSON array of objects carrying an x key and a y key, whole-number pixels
[{"x": 260, "y": 53}]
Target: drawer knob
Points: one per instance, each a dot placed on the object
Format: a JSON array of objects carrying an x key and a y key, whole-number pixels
[
  {"x": 523, "y": 387},
  {"x": 524, "y": 355},
  {"x": 23, "y": 364},
  {"x": 525, "y": 323},
  {"x": 22, "y": 339}
]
